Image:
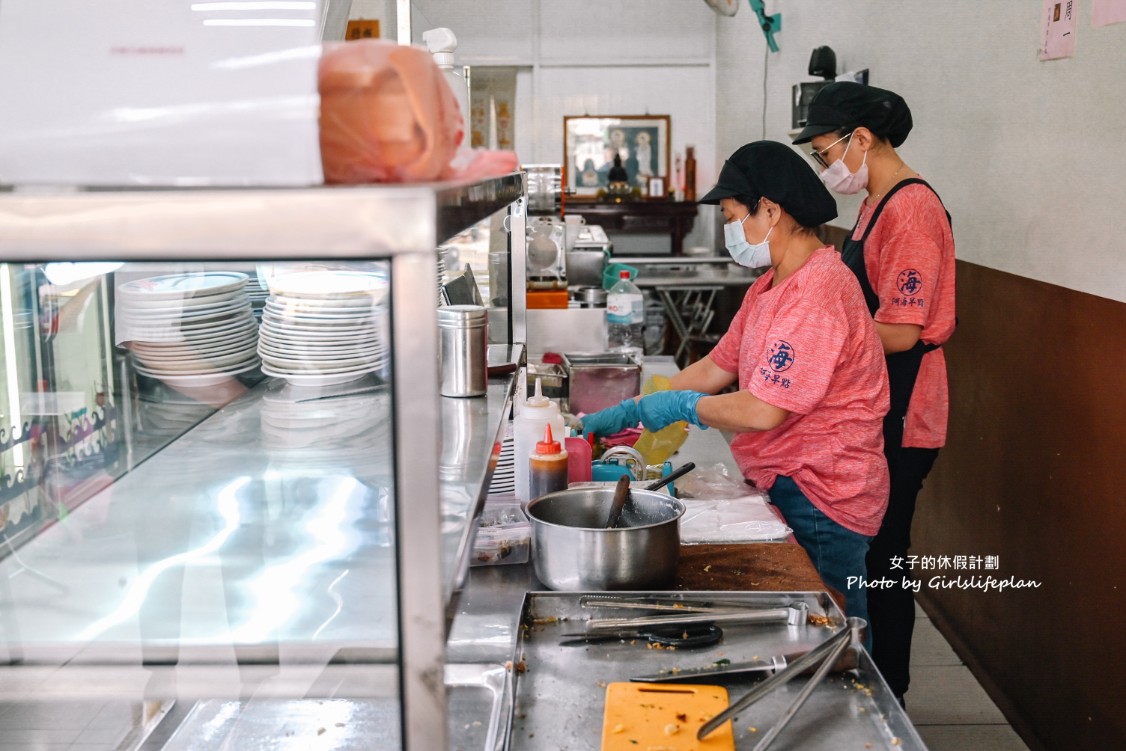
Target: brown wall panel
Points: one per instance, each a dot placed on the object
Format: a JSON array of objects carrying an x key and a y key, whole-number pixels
[{"x": 1034, "y": 472}]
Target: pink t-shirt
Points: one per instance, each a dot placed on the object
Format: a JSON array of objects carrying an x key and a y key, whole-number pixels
[
  {"x": 809, "y": 346},
  {"x": 909, "y": 258}
]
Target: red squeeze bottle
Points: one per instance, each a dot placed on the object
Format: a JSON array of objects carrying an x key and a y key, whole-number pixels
[{"x": 547, "y": 467}]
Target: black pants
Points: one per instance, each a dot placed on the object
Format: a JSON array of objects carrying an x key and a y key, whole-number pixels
[{"x": 892, "y": 611}]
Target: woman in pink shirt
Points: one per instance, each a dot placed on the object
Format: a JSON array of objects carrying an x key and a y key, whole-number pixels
[
  {"x": 902, "y": 252},
  {"x": 804, "y": 352}
]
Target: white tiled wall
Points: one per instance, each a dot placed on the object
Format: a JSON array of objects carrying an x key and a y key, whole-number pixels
[{"x": 625, "y": 57}]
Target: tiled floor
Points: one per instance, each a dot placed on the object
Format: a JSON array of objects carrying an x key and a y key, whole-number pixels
[{"x": 950, "y": 709}]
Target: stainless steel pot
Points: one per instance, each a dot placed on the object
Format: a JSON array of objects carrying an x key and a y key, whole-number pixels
[
  {"x": 588, "y": 297},
  {"x": 572, "y": 551}
]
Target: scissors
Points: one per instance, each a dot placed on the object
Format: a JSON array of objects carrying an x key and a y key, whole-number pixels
[{"x": 676, "y": 637}]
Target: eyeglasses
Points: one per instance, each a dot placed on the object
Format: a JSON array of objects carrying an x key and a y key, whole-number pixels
[{"x": 819, "y": 156}]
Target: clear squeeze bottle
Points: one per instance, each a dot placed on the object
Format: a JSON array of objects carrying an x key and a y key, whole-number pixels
[
  {"x": 442, "y": 42},
  {"x": 536, "y": 414},
  {"x": 547, "y": 467}
]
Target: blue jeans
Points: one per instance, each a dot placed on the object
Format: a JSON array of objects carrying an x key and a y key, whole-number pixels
[{"x": 837, "y": 553}]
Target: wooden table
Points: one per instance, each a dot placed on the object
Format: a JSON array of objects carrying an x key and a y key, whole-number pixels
[{"x": 747, "y": 567}]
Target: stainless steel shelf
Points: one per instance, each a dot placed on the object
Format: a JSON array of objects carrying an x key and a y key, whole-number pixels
[{"x": 345, "y": 222}]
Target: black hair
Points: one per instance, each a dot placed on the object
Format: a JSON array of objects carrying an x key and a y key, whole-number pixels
[{"x": 751, "y": 202}]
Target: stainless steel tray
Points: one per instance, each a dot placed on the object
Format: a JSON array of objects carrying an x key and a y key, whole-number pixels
[{"x": 559, "y": 691}]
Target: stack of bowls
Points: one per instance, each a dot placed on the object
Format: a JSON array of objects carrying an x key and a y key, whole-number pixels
[
  {"x": 324, "y": 327},
  {"x": 189, "y": 329}
]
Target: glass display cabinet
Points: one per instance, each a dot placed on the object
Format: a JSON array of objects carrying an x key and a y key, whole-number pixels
[{"x": 234, "y": 508}]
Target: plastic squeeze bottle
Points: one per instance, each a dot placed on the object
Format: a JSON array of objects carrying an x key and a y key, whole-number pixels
[
  {"x": 578, "y": 459},
  {"x": 441, "y": 43},
  {"x": 547, "y": 467},
  {"x": 536, "y": 414}
]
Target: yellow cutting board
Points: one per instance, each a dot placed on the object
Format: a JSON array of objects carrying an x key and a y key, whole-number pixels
[{"x": 644, "y": 716}]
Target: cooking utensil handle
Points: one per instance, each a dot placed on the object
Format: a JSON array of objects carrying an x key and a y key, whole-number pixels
[
  {"x": 796, "y": 668},
  {"x": 776, "y": 615},
  {"x": 677, "y": 473},
  {"x": 621, "y": 495}
]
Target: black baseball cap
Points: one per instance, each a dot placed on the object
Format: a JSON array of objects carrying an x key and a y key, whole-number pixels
[
  {"x": 844, "y": 105},
  {"x": 774, "y": 170}
]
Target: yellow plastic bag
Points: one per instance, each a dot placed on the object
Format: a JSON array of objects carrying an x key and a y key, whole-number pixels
[{"x": 656, "y": 448}]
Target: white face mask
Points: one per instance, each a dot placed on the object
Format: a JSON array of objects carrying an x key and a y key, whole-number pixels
[
  {"x": 838, "y": 178},
  {"x": 754, "y": 256}
]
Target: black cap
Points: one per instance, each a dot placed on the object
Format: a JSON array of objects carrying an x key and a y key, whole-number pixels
[
  {"x": 774, "y": 170},
  {"x": 843, "y": 105}
]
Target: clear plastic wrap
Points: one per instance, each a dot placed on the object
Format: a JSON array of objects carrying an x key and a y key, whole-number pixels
[
  {"x": 713, "y": 483},
  {"x": 720, "y": 508}
]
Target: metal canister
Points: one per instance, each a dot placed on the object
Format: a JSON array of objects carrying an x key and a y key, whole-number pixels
[{"x": 463, "y": 350}]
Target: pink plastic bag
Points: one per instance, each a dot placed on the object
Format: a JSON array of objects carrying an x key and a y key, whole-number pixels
[{"x": 387, "y": 114}]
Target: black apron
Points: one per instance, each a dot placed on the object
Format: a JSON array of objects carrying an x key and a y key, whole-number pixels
[{"x": 903, "y": 367}]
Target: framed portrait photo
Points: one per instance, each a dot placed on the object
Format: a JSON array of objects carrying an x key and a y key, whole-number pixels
[{"x": 590, "y": 144}]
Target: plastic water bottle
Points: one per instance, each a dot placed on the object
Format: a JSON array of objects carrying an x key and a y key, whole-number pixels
[{"x": 625, "y": 317}]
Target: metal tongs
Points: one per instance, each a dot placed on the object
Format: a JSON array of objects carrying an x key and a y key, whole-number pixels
[
  {"x": 827, "y": 653},
  {"x": 793, "y": 615}
]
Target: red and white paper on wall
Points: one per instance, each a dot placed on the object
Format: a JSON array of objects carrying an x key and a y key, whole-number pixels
[
  {"x": 1106, "y": 12},
  {"x": 1058, "y": 29}
]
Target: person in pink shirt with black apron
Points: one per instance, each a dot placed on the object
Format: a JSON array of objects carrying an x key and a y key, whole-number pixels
[
  {"x": 902, "y": 251},
  {"x": 803, "y": 349}
]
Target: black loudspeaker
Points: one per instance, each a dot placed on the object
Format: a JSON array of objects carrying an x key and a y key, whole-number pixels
[{"x": 823, "y": 62}]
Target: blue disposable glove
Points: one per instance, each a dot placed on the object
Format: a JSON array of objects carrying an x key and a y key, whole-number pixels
[
  {"x": 612, "y": 419},
  {"x": 663, "y": 408}
]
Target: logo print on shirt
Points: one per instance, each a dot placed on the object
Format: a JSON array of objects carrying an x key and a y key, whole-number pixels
[
  {"x": 910, "y": 282},
  {"x": 781, "y": 356}
]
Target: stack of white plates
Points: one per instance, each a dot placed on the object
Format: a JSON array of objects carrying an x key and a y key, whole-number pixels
[
  {"x": 189, "y": 329},
  {"x": 324, "y": 327}
]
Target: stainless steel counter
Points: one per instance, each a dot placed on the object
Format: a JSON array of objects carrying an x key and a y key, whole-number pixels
[
  {"x": 486, "y": 625},
  {"x": 687, "y": 273},
  {"x": 266, "y": 531},
  {"x": 844, "y": 713}
]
